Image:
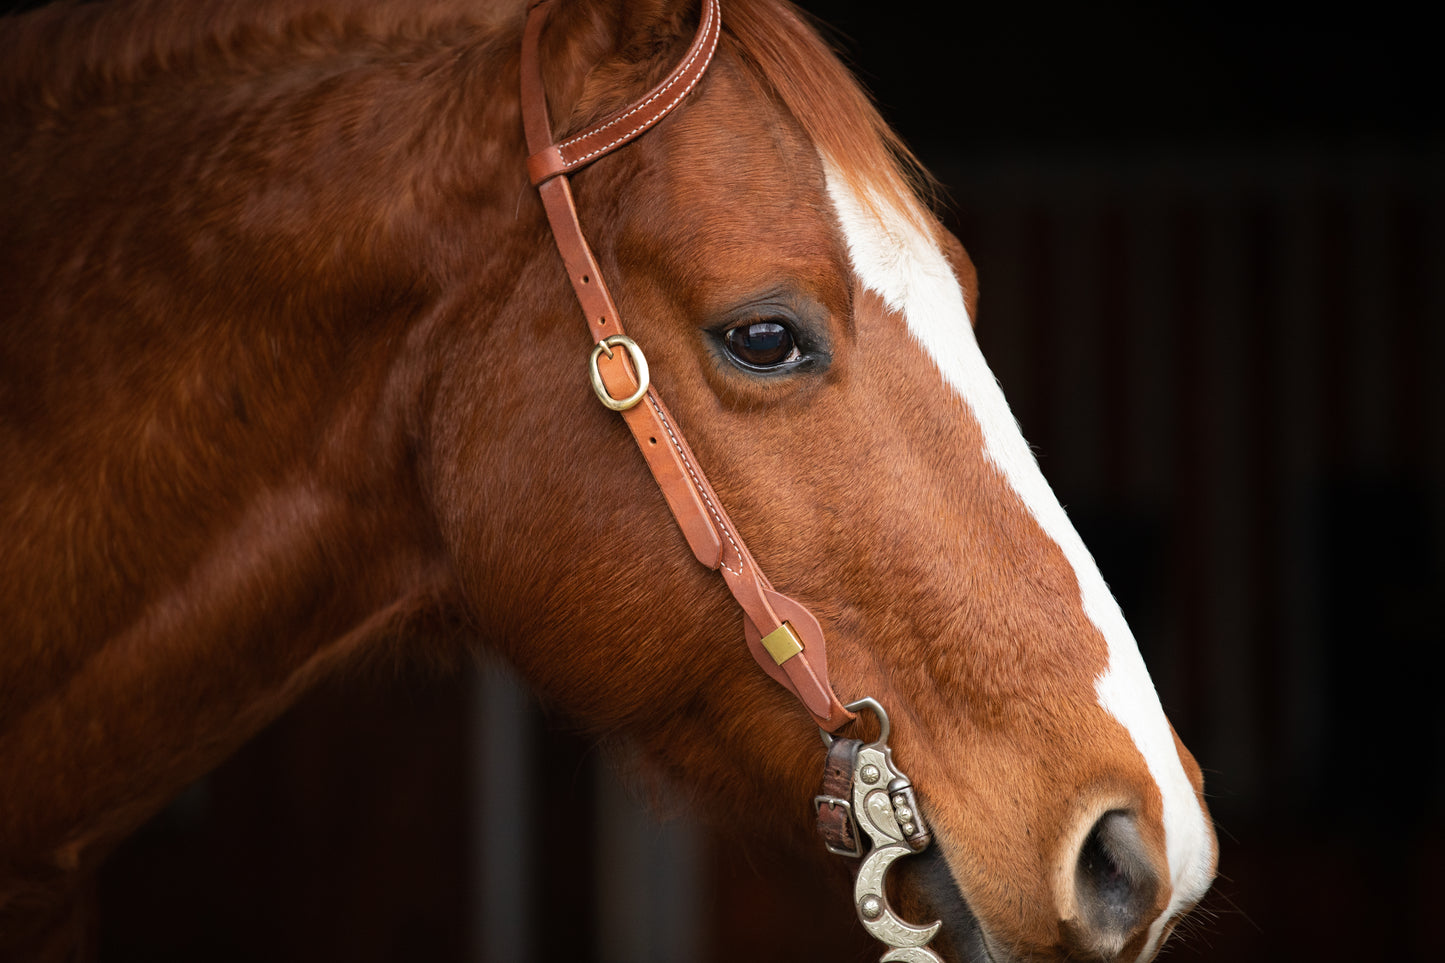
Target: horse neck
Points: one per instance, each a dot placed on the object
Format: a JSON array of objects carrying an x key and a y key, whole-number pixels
[{"x": 210, "y": 398}]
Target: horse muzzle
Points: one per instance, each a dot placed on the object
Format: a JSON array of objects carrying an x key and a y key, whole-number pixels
[{"x": 1106, "y": 900}]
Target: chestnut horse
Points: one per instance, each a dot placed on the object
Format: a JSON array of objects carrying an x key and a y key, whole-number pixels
[{"x": 291, "y": 376}]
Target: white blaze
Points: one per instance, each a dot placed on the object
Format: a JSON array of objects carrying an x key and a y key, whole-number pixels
[{"x": 899, "y": 261}]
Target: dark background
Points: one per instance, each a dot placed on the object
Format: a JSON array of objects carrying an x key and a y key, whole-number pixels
[{"x": 1210, "y": 242}]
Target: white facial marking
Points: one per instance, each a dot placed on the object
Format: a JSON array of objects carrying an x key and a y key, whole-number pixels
[{"x": 895, "y": 257}]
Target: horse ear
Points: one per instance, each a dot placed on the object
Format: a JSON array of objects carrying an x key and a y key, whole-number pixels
[
  {"x": 599, "y": 56},
  {"x": 963, "y": 270}
]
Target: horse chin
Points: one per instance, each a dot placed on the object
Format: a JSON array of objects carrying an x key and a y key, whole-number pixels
[{"x": 929, "y": 892}]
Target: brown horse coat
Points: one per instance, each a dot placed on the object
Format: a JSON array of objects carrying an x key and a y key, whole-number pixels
[{"x": 290, "y": 377}]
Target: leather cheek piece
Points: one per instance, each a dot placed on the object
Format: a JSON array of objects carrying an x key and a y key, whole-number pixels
[{"x": 704, "y": 524}]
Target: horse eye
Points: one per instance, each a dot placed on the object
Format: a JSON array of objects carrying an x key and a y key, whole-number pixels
[{"x": 761, "y": 344}]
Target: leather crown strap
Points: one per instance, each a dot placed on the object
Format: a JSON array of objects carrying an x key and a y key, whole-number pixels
[{"x": 782, "y": 635}]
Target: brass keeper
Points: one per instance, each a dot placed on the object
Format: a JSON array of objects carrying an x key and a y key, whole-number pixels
[{"x": 782, "y": 643}]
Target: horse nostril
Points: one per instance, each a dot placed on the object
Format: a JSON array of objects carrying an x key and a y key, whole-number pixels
[{"x": 1114, "y": 882}]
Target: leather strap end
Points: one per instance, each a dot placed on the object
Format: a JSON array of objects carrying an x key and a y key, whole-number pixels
[
  {"x": 816, "y": 697},
  {"x": 837, "y": 716},
  {"x": 805, "y": 674}
]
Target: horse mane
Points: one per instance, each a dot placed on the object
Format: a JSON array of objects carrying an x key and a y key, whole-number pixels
[{"x": 71, "y": 53}]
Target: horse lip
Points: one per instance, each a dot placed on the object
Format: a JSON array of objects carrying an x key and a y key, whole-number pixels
[{"x": 962, "y": 937}]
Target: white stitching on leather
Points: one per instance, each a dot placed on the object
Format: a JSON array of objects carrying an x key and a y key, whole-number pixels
[
  {"x": 699, "y": 487},
  {"x": 662, "y": 91}
]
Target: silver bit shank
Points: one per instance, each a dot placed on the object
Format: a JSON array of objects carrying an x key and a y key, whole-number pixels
[{"x": 887, "y": 810}]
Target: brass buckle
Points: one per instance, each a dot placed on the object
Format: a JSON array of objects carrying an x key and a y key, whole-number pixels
[{"x": 639, "y": 361}]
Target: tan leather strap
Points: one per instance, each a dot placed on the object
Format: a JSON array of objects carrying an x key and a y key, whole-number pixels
[
  {"x": 605, "y": 136},
  {"x": 708, "y": 530}
]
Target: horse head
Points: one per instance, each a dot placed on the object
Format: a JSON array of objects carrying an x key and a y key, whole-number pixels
[{"x": 811, "y": 324}]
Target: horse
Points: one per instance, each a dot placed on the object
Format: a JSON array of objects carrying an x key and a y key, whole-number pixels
[{"x": 292, "y": 380}]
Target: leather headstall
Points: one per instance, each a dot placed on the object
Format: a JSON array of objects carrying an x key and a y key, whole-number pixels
[
  {"x": 781, "y": 633},
  {"x": 867, "y": 810}
]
